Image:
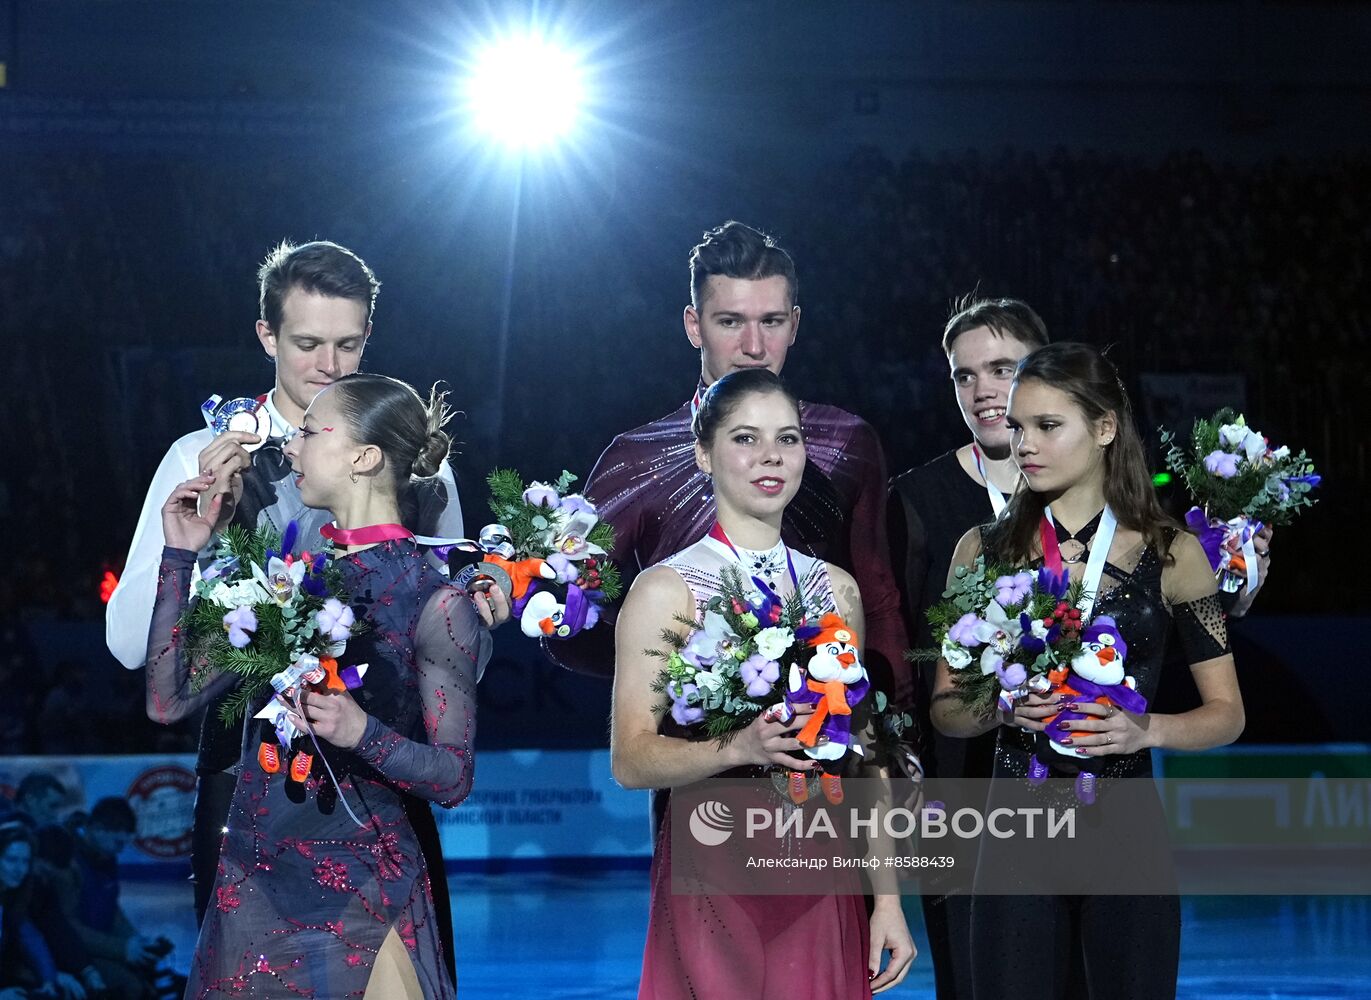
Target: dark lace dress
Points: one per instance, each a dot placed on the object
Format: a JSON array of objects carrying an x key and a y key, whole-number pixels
[
  {"x": 749, "y": 947},
  {"x": 305, "y": 898},
  {"x": 1131, "y": 943}
]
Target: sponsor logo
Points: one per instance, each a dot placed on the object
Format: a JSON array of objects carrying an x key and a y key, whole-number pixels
[{"x": 163, "y": 801}]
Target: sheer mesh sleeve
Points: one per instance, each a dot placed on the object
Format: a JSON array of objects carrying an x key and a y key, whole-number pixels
[
  {"x": 1191, "y": 591},
  {"x": 447, "y": 652},
  {"x": 169, "y": 694}
]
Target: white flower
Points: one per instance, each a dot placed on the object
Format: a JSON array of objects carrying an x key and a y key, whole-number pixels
[
  {"x": 570, "y": 535},
  {"x": 243, "y": 594},
  {"x": 708, "y": 680},
  {"x": 1006, "y": 626},
  {"x": 956, "y": 656},
  {"x": 1039, "y": 629},
  {"x": 774, "y": 641},
  {"x": 219, "y": 594},
  {"x": 1232, "y": 436},
  {"x": 1254, "y": 446},
  {"x": 281, "y": 579},
  {"x": 335, "y": 620}
]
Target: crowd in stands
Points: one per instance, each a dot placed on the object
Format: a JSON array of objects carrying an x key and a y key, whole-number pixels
[
  {"x": 125, "y": 282},
  {"x": 63, "y": 932}
]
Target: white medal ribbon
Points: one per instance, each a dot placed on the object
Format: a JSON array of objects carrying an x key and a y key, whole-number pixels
[
  {"x": 998, "y": 501},
  {"x": 1249, "y": 554}
]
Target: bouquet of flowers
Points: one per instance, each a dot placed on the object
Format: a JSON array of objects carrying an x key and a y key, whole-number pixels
[
  {"x": 275, "y": 619},
  {"x": 757, "y": 653},
  {"x": 1000, "y": 629},
  {"x": 1006, "y": 632},
  {"x": 1239, "y": 482},
  {"x": 546, "y": 551}
]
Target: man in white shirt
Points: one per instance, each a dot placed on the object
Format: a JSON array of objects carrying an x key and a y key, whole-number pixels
[{"x": 316, "y": 305}]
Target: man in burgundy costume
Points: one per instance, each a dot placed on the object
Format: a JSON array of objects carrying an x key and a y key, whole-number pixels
[{"x": 744, "y": 314}]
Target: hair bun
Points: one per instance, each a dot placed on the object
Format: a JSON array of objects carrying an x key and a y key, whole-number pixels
[{"x": 432, "y": 454}]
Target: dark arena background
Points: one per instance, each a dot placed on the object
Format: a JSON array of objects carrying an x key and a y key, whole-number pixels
[{"x": 1186, "y": 183}]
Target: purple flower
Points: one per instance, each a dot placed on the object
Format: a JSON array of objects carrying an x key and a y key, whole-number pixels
[
  {"x": 759, "y": 674},
  {"x": 1222, "y": 464},
  {"x": 287, "y": 541},
  {"x": 540, "y": 495},
  {"x": 1013, "y": 589},
  {"x": 1011, "y": 675},
  {"x": 1036, "y": 637},
  {"x": 312, "y": 583},
  {"x": 1311, "y": 480},
  {"x": 576, "y": 504},
  {"x": 706, "y": 645},
  {"x": 700, "y": 652},
  {"x": 1056, "y": 584},
  {"x": 566, "y": 570},
  {"x": 963, "y": 632},
  {"x": 680, "y": 711},
  {"x": 238, "y": 623}
]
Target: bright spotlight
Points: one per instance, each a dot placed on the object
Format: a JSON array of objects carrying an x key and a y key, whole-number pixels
[{"x": 525, "y": 92}]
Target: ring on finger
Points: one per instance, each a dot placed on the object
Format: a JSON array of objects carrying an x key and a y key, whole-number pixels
[{"x": 1109, "y": 738}]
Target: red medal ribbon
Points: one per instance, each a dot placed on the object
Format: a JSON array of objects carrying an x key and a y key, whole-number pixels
[
  {"x": 1052, "y": 550},
  {"x": 369, "y": 535},
  {"x": 719, "y": 535}
]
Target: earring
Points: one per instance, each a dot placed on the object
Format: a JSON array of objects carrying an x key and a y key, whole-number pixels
[{"x": 352, "y": 476}]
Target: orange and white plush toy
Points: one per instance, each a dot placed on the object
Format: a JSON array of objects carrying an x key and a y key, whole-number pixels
[{"x": 833, "y": 681}]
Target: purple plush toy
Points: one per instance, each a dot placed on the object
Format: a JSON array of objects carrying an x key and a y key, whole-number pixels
[{"x": 1096, "y": 675}]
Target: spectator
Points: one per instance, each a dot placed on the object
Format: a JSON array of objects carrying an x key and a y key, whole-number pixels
[
  {"x": 88, "y": 890},
  {"x": 39, "y": 955},
  {"x": 38, "y": 800}
]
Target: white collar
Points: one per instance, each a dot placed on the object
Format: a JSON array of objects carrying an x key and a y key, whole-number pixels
[{"x": 280, "y": 426}]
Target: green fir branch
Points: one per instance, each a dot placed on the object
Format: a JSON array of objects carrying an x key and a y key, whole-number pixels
[
  {"x": 237, "y": 702},
  {"x": 611, "y": 583}
]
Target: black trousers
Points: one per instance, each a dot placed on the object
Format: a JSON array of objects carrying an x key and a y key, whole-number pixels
[{"x": 1022, "y": 947}]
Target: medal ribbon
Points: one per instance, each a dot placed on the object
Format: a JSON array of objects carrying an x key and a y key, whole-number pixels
[
  {"x": 998, "y": 500},
  {"x": 697, "y": 399},
  {"x": 1094, "y": 566},
  {"x": 719, "y": 535},
  {"x": 369, "y": 535}
]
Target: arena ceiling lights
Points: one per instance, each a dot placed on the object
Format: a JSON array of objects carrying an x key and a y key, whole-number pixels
[{"x": 525, "y": 92}]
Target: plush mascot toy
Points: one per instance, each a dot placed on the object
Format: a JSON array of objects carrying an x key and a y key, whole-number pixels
[
  {"x": 543, "y": 613},
  {"x": 1096, "y": 674},
  {"x": 833, "y": 681}
]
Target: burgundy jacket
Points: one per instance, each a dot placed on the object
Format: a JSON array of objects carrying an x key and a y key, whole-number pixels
[{"x": 647, "y": 486}]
